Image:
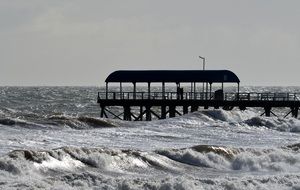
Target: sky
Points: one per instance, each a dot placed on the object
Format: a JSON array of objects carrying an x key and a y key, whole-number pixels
[{"x": 79, "y": 42}]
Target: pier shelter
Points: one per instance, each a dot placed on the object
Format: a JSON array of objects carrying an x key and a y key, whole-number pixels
[
  {"x": 163, "y": 78},
  {"x": 169, "y": 101},
  {"x": 207, "y": 77}
]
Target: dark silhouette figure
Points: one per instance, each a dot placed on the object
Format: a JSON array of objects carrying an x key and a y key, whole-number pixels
[
  {"x": 178, "y": 92},
  {"x": 181, "y": 93}
]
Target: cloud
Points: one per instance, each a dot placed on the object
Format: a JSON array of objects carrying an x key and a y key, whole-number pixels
[{"x": 93, "y": 38}]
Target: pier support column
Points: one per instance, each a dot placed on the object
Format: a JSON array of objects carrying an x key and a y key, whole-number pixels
[
  {"x": 148, "y": 113},
  {"x": 172, "y": 111},
  {"x": 141, "y": 113},
  {"x": 295, "y": 111},
  {"x": 163, "y": 112},
  {"x": 127, "y": 113},
  {"x": 185, "y": 109},
  {"x": 210, "y": 89},
  {"x": 268, "y": 111},
  {"x": 194, "y": 108},
  {"x": 102, "y": 111}
]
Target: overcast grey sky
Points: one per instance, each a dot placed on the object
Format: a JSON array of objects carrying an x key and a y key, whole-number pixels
[{"x": 79, "y": 42}]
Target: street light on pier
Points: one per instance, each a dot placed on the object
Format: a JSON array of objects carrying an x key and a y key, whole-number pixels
[{"x": 203, "y": 62}]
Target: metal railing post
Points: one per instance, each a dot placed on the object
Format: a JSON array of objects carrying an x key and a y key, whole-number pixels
[
  {"x": 106, "y": 90},
  {"x": 149, "y": 90},
  {"x": 163, "y": 90},
  {"x": 134, "y": 90}
]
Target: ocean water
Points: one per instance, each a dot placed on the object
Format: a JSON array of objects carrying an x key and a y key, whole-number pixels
[{"x": 53, "y": 138}]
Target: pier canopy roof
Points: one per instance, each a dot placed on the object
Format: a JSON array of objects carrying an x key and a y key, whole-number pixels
[{"x": 177, "y": 76}]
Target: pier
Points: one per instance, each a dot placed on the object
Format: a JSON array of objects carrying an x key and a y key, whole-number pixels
[{"x": 161, "y": 104}]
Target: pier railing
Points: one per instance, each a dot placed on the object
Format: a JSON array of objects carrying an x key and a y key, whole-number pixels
[{"x": 252, "y": 96}]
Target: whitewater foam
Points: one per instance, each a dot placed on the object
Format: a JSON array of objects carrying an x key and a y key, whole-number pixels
[
  {"x": 53, "y": 138},
  {"x": 90, "y": 167}
]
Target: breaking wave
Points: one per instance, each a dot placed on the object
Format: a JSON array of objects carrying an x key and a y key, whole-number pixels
[
  {"x": 71, "y": 167},
  {"x": 236, "y": 118},
  {"x": 238, "y": 159},
  {"x": 59, "y": 121},
  {"x": 279, "y": 124},
  {"x": 234, "y": 149}
]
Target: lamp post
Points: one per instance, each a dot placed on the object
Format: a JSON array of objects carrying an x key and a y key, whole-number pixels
[{"x": 203, "y": 62}]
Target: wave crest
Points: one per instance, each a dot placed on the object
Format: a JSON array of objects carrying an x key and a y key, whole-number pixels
[
  {"x": 81, "y": 122},
  {"x": 90, "y": 165}
]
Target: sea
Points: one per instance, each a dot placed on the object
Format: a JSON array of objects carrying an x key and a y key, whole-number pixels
[{"x": 54, "y": 138}]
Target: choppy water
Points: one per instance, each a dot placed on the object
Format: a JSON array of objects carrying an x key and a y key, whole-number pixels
[{"x": 53, "y": 138}]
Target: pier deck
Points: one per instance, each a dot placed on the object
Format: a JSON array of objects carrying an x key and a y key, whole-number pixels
[{"x": 172, "y": 104}]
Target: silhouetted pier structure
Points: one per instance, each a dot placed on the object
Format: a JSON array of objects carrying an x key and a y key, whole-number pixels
[{"x": 162, "y": 104}]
